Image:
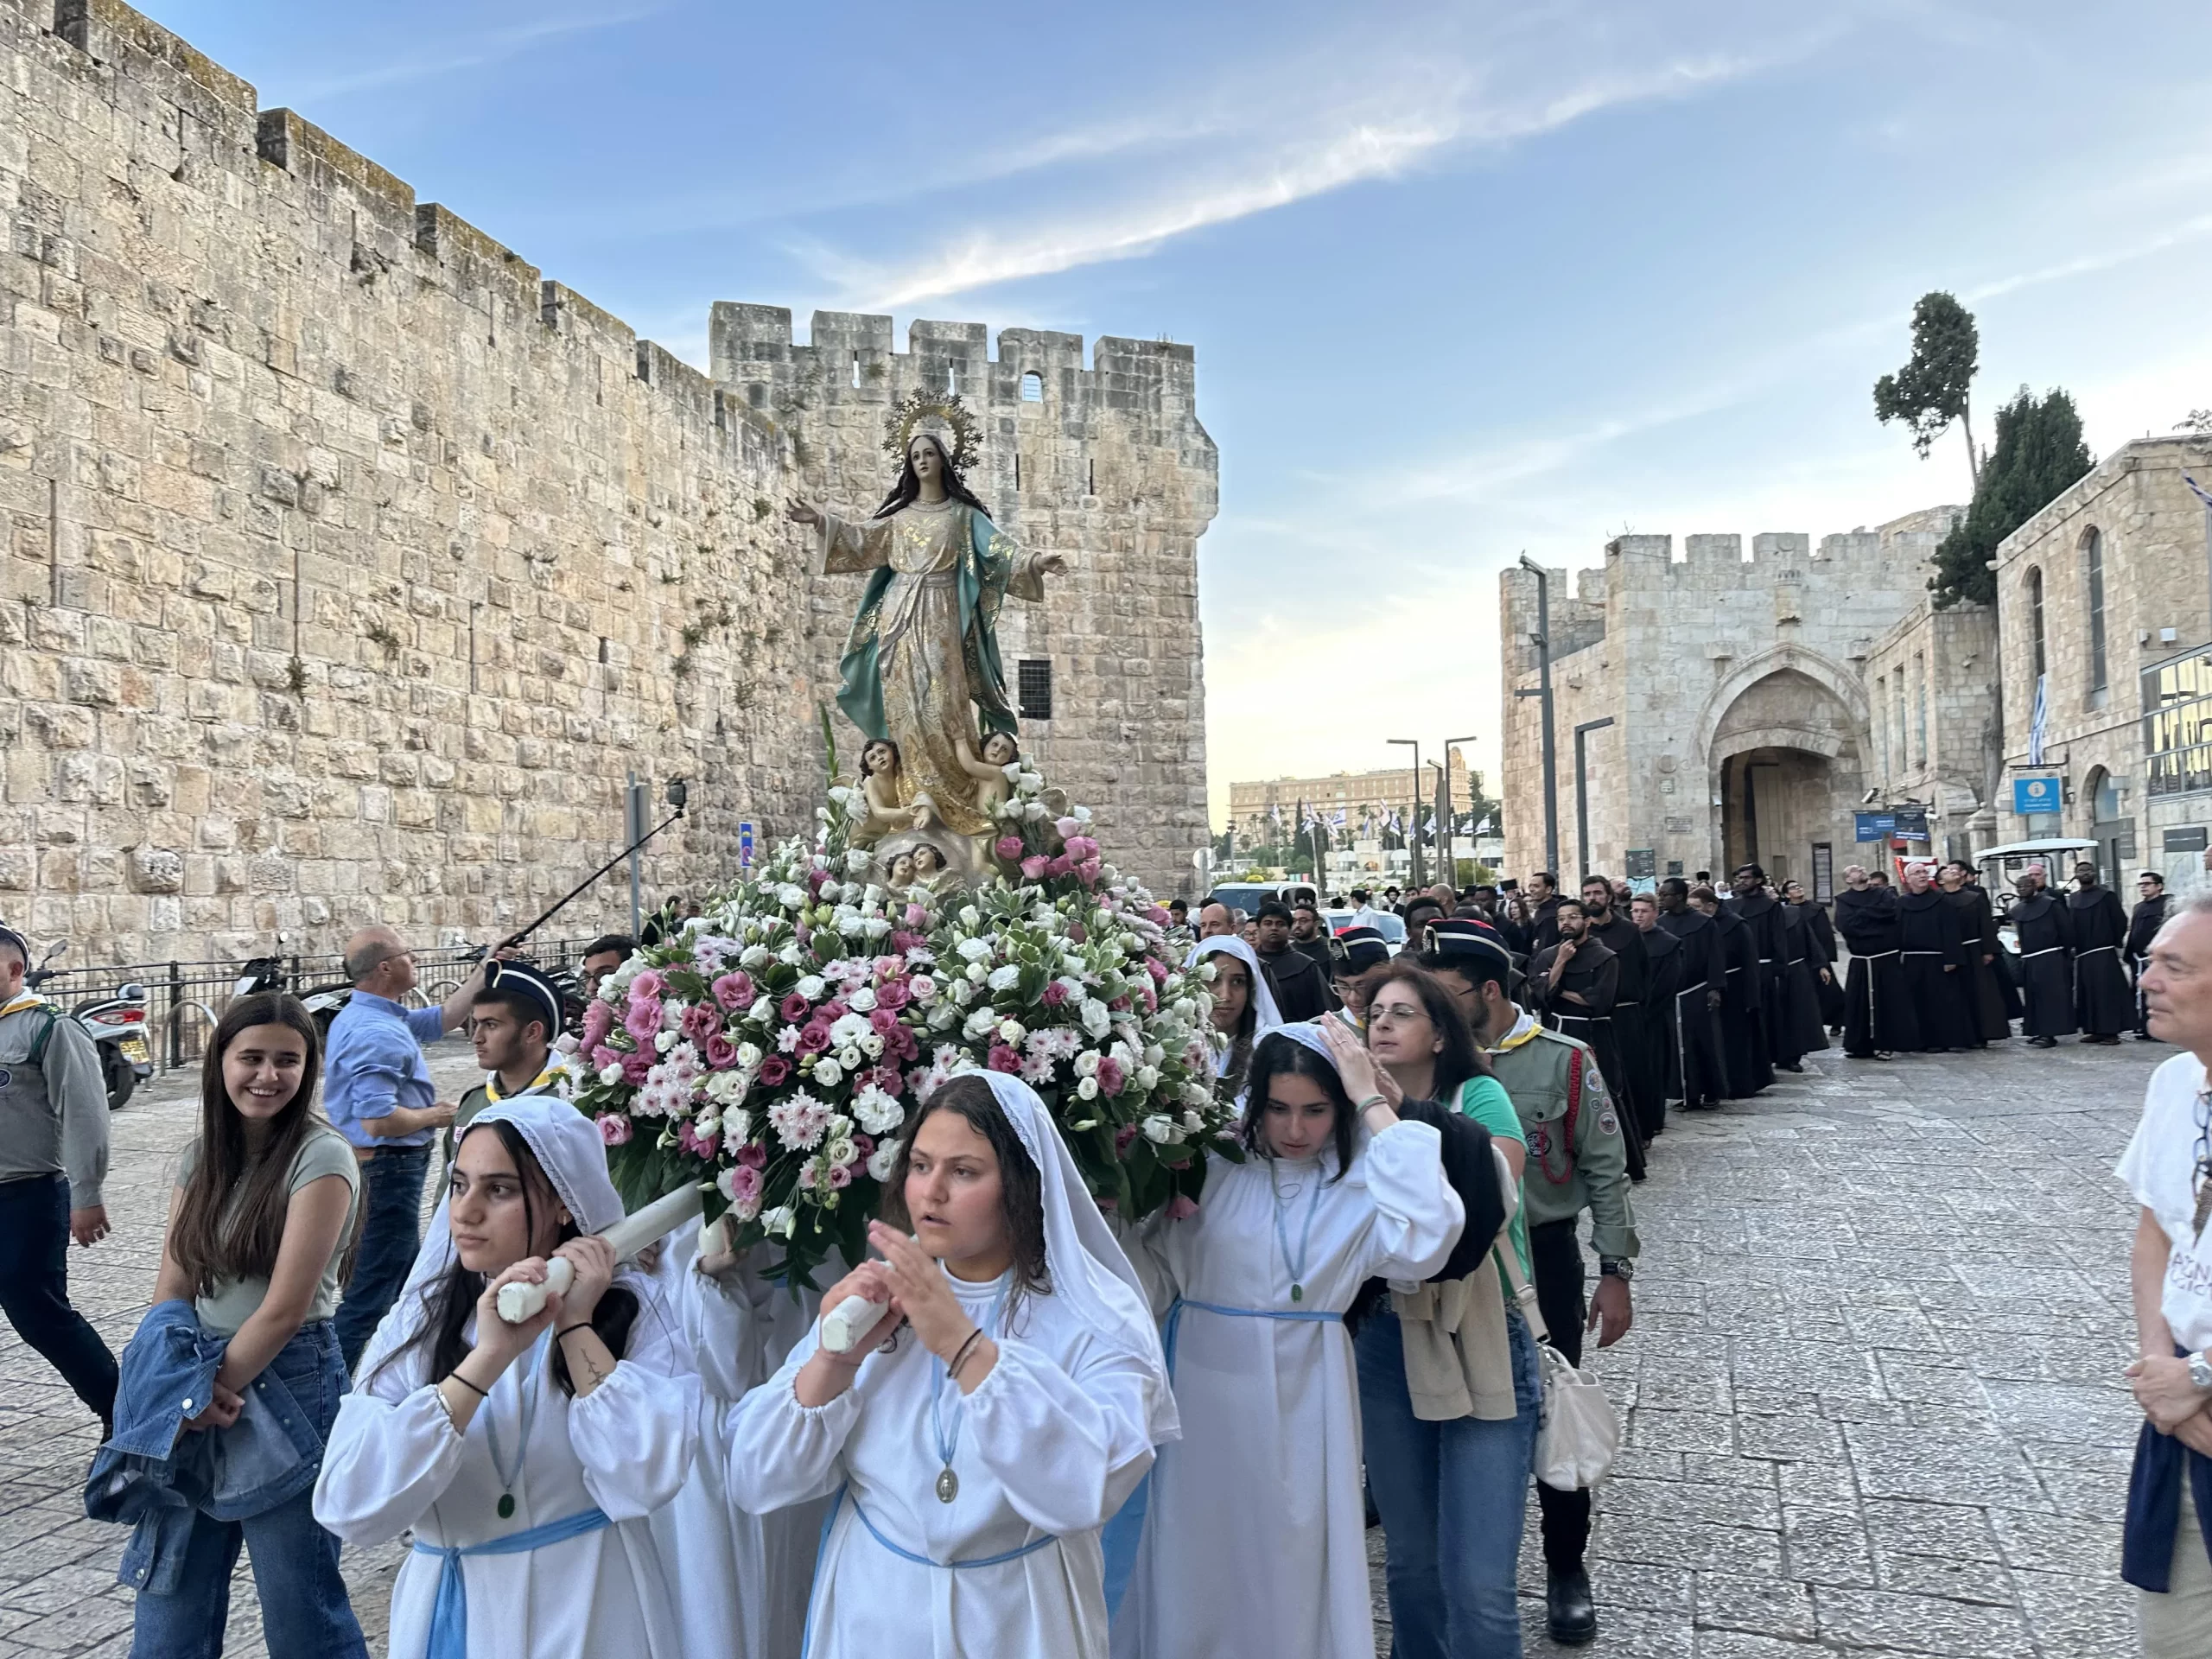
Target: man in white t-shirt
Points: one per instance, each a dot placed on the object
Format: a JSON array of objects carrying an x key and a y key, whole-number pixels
[{"x": 2168, "y": 1167}]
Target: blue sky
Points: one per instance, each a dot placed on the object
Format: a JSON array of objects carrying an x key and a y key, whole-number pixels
[{"x": 1463, "y": 280}]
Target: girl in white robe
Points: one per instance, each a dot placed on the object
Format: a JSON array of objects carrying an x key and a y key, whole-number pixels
[
  {"x": 743, "y": 1579},
  {"x": 1255, "y": 1541},
  {"x": 972, "y": 1458},
  {"x": 1240, "y": 1023},
  {"x": 526, "y": 1458}
]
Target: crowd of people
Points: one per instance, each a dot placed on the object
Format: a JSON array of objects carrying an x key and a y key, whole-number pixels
[{"x": 1074, "y": 1435}]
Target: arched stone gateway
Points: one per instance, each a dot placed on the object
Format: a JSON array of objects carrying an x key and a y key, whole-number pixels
[{"x": 1784, "y": 754}]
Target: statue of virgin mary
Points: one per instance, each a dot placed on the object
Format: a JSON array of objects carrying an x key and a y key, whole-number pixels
[{"x": 921, "y": 666}]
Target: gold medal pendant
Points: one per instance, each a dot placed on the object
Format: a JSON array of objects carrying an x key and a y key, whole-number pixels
[{"x": 948, "y": 1484}]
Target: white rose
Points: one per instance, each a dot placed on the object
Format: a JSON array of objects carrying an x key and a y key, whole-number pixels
[
  {"x": 882, "y": 1160},
  {"x": 611, "y": 1074},
  {"x": 979, "y": 1022},
  {"x": 856, "y": 861},
  {"x": 975, "y": 974},
  {"x": 1087, "y": 1088},
  {"x": 749, "y": 1056},
  {"x": 791, "y": 896},
  {"x": 754, "y": 958},
  {"x": 862, "y": 1000},
  {"x": 1148, "y": 1079},
  {"x": 811, "y": 988},
  {"x": 1011, "y": 1033},
  {"x": 665, "y": 1040},
  {"x": 850, "y": 1056},
  {"x": 828, "y": 1073}
]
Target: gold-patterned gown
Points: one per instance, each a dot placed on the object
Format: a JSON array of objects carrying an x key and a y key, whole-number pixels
[{"x": 933, "y": 671}]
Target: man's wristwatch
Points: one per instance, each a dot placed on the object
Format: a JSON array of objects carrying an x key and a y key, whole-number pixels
[
  {"x": 1616, "y": 1266},
  {"x": 2200, "y": 1371}
]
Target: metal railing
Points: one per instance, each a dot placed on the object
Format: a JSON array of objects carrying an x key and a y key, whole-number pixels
[{"x": 185, "y": 1000}]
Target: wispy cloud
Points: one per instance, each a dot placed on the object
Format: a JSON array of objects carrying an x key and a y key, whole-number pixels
[
  {"x": 496, "y": 47},
  {"x": 2189, "y": 230},
  {"x": 1298, "y": 132}
]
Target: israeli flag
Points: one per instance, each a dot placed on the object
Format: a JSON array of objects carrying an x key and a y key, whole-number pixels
[{"x": 2039, "y": 721}]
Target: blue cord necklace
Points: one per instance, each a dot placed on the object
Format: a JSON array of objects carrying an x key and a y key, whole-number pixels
[
  {"x": 528, "y": 1390},
  {"x": 1297, "y": 1269},
  {"x": 948, "y": 1484}
]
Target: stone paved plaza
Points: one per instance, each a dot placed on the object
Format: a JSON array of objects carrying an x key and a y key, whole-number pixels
[{"x": 1872, "y": 1391}]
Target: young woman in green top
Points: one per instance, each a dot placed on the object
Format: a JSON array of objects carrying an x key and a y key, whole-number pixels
[
  {"x": 259, "y": 1226},
  {"x": 1452, "y": 1493}
]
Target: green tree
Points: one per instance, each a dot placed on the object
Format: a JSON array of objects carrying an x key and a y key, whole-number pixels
[
  {"x": 1930, "y": 391},
  {"x": 2038, "y": 453}
]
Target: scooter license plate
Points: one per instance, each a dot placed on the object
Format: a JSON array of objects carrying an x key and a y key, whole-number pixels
[{"x": 134, "y": 1049}]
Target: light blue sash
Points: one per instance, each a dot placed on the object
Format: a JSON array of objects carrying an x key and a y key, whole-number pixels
[
  {"x": 449, "y": 1614},
  {"x": 1308, "y": 1315},
  {"x": 902, "y": 1553}
]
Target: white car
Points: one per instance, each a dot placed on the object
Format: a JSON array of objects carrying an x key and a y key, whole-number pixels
[{"x": 1391, "y": 927}]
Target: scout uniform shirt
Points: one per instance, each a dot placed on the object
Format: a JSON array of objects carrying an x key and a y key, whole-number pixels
[{"x": 1577, "y": 1158}]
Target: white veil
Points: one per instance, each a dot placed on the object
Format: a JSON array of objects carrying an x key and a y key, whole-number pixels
[
  {"x": 1266, "y": 1016},
  {"x": 567, "y": 1148},
  {"x": 1090, "y": 1274}
]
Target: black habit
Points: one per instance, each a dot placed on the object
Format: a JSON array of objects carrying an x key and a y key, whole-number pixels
[
  {"x": 1820, "y": 940},
  {"x": 2101, "y": 999},
  {"x": 1762, "y": 918},
  {"x": 2143, "y": 925},
  {"x": 1699, "y": 1078},
  {"x": 1878, "y": 1016},
  {"x": 1935, "y": 971},
  {"x": 1742, "y": 1010},
  {"x": 1985, "y": 988},
  {"x": 2043, "y": 927},
  {"x": 1592, "y": 974},
  {"x": 1631, "y": 993},
  {"x": 1801, "y": 983}
]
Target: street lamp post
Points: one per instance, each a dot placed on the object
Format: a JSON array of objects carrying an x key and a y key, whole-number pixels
[
  {"x": 1450, "y": 872},
  {"x": 1412, "y": 830},
  {"x": 1543, "y": 642}
]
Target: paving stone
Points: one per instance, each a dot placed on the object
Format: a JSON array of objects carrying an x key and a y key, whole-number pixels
[{"x": 1882, "y": 1618}]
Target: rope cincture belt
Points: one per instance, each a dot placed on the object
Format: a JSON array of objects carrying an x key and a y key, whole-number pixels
[
  {"x": 906, "y": 1555},
  {"x": 2047, "y": 951},
  {"x": 1305, "y": 1315},
  {"x": 2096, "y": 950},
  {"x": 450, "y": 1613}
]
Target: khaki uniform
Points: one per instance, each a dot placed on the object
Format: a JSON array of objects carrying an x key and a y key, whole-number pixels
[{"x": 1570, "y": 1169}]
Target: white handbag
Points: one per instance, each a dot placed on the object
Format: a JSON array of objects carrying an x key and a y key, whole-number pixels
[{"x": 1580, "y": 1433}]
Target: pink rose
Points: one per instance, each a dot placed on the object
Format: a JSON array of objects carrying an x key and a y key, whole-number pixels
[
  {"x": 814, "y": 1037},
  {"x": 753, "y": 1156},
  {"x": 1008, "y": 847},
  {"x": 1181, "y": 1209},
  {"x": 1003, "y": 1058},
  {"x": 646, "y": 986},
  {"x": 795, "y": 1008},
  {"x": 1110, "y": 1076},
  {"x": 733, "y": 991},
  {"x": 840, "y": 1175},
  {"x": 721, "y": 1052},
  {"x": 1055, "y": 994},
  {"x": 598, "y": 1020},
  {"x": 1032, "y": 868},
  {"x": 773, "y": 1070},
  {"x": 613, "y": 1130}
]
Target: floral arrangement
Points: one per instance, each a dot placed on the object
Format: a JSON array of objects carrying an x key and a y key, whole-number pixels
[{"x": 772, "y": 1050}]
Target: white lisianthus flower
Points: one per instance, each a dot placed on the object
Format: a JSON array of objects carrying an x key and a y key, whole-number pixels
[
  {"x": 862, "y": 1000},
  {"x": 1196, "y": 1094},
  {"x": 850, "y": 1056},
  {"x": 1087, "y": 1123},
  {"x": 779, "y": 1222},
  {"x": 944, "y": 1016},
  {"x": 1011, "y": 1033},
  {"x": 828, "y": 1072},
  {"x": 1081, "y": 815},
  {"x": 1095, "y": 1018},
  {"x": 1148, "y": 1079},
  {"x": 1162, "y": 1131},
  {"x": 665, "y": 1040},
  {"x": 1005, "y": 977},
  {"x": 749, "y": 1056},
  {"x": 922, "y": 988},
  {"x": 810, "y": 987},
  {"x": 1193, "y": 1123},
  {"x": 975, "y": 974},
  {"x": 848, "y": 1029},
  {"x": 1153, "y": 1054},
  {"x": 762, "y": 1011},
  {"x": 1035, "y": 811},
  {"x": 979, "y": 1022},
  {"x": 841, "y": 795},
  {"x": 791, "y": 896},
  {"x": 961, "y": 992},
  {"x": 883, "y": 1160},
  {"x": 872, "y": 1045},
  {"x": 876, "y": 1111},
  {"x": 828, "y": 892},
  {"x": 611, "y": 1075},
  {"x": 856, "y": 861},
  {"x": 974, "y": 950},
  {"x": 970, "y": 917},
  {"x": 1206, "y": 970},
  {"x": 1087, "y": 1088},
  {"x": 1076, "y": 996},
  {"x": 791, "y": 955},
  {"x": 1012, "y": 771},
  {"x": 1031, "y": 780},
  {"x": 1086, "y": 1063},
  {"x": 754, "y": 958}
]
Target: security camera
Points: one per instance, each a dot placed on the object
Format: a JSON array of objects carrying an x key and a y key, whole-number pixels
[{"x": 1868, "y": 798}]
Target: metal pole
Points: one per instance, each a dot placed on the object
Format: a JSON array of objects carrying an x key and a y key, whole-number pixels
[
  {"x": 1582, "y": 792},
  {"x": 1451, "y": 800},
  {"x": 633, "y": 830},
  {"x": 1551, "y": 746},
  {"x": 1412, "y": 830}
]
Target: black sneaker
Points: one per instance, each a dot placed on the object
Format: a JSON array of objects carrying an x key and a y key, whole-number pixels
[{"x": 1573, "y": 1615}]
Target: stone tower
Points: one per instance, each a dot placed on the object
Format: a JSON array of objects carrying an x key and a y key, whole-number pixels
[{"x": 1107, "y": 464}]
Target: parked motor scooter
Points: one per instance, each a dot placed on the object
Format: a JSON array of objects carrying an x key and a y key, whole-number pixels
[
  {"x": 116, "y": 1025},
  {"x": 269, "y": 974}
]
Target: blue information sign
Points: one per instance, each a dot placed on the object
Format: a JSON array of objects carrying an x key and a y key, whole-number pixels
[
  {"x": 1876, "y": 826},
  {"x": 2034, "y": 796},
  {"x": 745, "y": 844}
]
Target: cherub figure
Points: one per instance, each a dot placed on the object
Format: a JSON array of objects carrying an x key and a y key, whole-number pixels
[
  {"x": 902, "y": 873},
  {"x": 988, "y": 770},
  {"x": 891, "y": 804},
  {"x": 930, "y": 867}
]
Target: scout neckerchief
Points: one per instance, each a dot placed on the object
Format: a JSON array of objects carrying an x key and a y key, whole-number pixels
[
  {"x": 537, "y": 1085},
  {"x": 1525, "y": 1030},
  {"x": 27, "y": 1000}
]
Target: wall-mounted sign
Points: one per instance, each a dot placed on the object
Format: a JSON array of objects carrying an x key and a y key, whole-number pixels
[
  {"x": 2033, "y": 797},
  {"x": 2190, "y": 840},
  {"x": 1876, "y": 826}
]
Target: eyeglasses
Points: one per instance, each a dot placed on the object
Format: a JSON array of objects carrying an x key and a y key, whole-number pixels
[{"x": 1397, "y": 1011}]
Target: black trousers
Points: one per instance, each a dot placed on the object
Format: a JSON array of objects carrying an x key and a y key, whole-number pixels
[
  {"x": 1556, "y": 1255},
  {"x": 34, "y": 1287}
]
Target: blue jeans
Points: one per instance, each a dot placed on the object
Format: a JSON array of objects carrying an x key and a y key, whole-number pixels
[
  {"x": 304, "y": 1608},
  {"x": 392, "y": 1232},
  {"x": 35, "y": 1288},
  {"x": 1452, "y": 1496}
]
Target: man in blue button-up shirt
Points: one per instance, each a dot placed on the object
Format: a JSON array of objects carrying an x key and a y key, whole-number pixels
[{"x": 377, "y": 1092}]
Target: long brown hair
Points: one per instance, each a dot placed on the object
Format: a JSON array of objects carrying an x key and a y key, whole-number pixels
[
  {"x": 231, "y": 1221},
  {"x": 1022, "y": 1190}
]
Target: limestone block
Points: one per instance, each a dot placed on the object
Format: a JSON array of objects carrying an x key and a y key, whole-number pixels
[{"x": 156, "y": 869}]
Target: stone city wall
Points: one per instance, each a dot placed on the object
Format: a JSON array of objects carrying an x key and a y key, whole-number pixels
[
  {"x": 351, "y": 566},
  {"x": 1933, "y": 697}
]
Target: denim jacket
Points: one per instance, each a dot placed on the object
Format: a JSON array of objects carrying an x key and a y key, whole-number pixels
[{"x": 152, "y": 1475}]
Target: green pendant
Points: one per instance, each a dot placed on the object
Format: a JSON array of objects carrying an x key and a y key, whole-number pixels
[
  {"x": 507, "y": 1506},
  {"x": 1298, "y": 1293}
]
